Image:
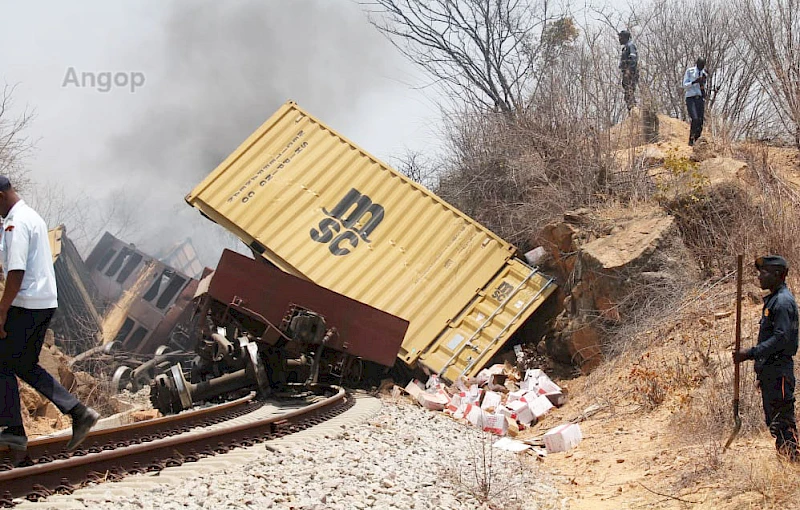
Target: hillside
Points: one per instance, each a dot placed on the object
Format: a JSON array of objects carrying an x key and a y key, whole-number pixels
[{"x": 666, "y": 392}]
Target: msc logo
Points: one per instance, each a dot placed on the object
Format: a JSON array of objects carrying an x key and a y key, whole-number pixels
[{"x": 340, "y": 231}]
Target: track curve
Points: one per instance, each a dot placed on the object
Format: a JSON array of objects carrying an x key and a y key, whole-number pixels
[{"x": 186, "y": 437}]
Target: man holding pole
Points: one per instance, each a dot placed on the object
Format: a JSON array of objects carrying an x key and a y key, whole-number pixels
[{"x": 773, "y": 354}]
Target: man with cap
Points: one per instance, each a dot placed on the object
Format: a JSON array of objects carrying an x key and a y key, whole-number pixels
[
  {"x": 773, "y": 354},
  {"x": 629, "y": 65},
  {"x": 28, "y": 302}
]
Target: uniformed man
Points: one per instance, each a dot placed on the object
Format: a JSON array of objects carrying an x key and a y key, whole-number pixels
[
  {"x": 773, "y": 354},
  {"x": 629, "y": 65},
  {"x": 26, "y": 307}
]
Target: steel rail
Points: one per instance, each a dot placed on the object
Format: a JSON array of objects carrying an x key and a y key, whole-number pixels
[
  {"x": 62, "y": 476},
  {"x": 52, "y": 447}
]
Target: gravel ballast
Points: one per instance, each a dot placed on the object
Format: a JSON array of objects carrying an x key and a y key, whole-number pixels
[{"x": 403, "y": 457}]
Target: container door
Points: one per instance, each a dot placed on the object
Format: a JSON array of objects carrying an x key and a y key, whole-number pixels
[{"x": 488, "y": 321}]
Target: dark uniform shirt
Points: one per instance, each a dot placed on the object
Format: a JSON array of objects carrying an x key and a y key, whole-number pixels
[
  {"x": 777, "y": 335},
  {"x": 629, "y": 59}
]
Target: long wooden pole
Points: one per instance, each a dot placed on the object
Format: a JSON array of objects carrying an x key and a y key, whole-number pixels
[{"x": 737, "y": 420}]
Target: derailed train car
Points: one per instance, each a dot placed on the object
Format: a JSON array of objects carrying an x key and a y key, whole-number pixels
[
  {"x": 319, "y": 207},
  {"x": 257, "y": 327},
  {"x": 144, "y": 297}
]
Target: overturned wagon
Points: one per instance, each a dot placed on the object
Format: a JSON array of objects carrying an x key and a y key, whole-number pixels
[
  {"x": 257, "y": 327},
  {"x": 318, "y": 207}
]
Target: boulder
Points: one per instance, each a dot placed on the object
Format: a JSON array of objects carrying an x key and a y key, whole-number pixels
[
  {"x": 578, "y": 344},
  {"x": 627, "y": 245},
  {"x": 621, "y": 267},
  {"x": 719, "y": 170},
  {"x": 560, "y": 241}
]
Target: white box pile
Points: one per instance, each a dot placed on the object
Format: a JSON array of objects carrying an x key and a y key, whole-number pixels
[{"x": 497, "y": 409}]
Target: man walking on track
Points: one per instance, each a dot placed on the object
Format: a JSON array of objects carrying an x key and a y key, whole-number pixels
[{"x": 27, "y": 305}]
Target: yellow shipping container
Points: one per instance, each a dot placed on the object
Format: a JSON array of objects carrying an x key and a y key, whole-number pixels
[
  {"x": 319, "y": 207},
  {"x": 484, "y": 325}
]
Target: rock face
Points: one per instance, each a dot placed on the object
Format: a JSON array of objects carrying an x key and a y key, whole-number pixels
[{"x": 605, "y": 273}]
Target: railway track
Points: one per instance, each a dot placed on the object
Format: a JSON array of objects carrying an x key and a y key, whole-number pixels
[{"x": 114, "y": 453}]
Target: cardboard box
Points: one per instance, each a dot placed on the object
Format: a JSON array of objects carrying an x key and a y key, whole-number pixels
[
  {"x": 522, "y": 412},
  {"x": 463, "y": 409},
  {"x": 434, "y": 401},
  {"x": 415, "y": 388},
  {"x": 540, "y": 406},
  {"x": 536, "y": 380},
  {"x": 558, "y": 399},
  {"x": 473, "y": 394},
  {"x": 491, "y": 400},
  {"x": 516, "y": 395},
  {"x": 562, "y": 438},
  {"x": 501, "y": 409},
  {"x": 496, "y": 424},
  {"x": 476, "y": 416},
  {"x": 534, "y": 373},
  {"x": 454, "y": 404}
]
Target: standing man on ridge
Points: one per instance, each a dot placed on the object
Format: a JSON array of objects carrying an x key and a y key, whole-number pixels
[
  {"x": 694, "y": 82},
  {"x": 629, "y": 65}
]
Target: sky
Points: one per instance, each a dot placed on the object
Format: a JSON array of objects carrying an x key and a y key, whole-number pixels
[{"x": 178, "y": 85}]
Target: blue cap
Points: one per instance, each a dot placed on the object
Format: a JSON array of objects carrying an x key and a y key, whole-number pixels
[
  {"x": 4, "y": 183},
  {"x": 771, "y": 260}
]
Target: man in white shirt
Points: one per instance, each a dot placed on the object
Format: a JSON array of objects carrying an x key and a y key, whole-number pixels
[
  {"x": 28, "y": 303},
  {"x": 694, "y": 82}
]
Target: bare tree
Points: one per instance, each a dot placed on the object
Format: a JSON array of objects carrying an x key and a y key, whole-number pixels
[
  {"x": 419, "y": 168},
  {"x": 772, "y": 31},
  {"x": 483, "y": 51},
  {"x": 14, "y": 143}
]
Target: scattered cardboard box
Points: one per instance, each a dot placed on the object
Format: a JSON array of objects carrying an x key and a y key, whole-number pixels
[
  {"x": 540, "y": 406},
  {"x": 522, "y": 411},
  {"x": 435, "y": 401},
  {"x": 562, "y": 438}
]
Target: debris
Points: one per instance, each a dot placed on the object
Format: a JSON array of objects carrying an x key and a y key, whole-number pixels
[
  {"x": 491, "y": 400},
  {"x": 522, "y": 411},
  {"x": 415, "y": 388},
  {"x": 540, "y": 406},
  {"x": 562, "y": 438},
  {"x": 435, "y": 401},
  {"x": 144, "y": 415},
  {"x": 510, "y": 445},
  {"x": 588, "y": 412}
]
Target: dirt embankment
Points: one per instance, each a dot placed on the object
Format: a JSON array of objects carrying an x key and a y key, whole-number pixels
[{"x": 665, "y": 385}]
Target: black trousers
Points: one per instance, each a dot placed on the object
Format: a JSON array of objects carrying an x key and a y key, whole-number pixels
[
  {"x": 19, "y": 356},
  {"x": 777, "y": 396},
  {"x": 695, "y": 107}
]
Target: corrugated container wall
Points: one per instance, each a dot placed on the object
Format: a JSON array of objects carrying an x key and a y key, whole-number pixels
[{"x": 319, "y": 207}]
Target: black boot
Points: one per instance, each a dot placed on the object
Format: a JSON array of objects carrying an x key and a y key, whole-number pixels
[
  {"x": 14, "y": 438},
  {"x": 83, "y": 419}
]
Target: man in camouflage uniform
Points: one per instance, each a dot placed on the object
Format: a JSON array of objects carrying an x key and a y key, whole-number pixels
[{"x": 629, "y": 65}]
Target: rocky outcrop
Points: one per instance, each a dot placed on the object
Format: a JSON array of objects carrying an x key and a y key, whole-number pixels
[{"x": 606, "y": 273}]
